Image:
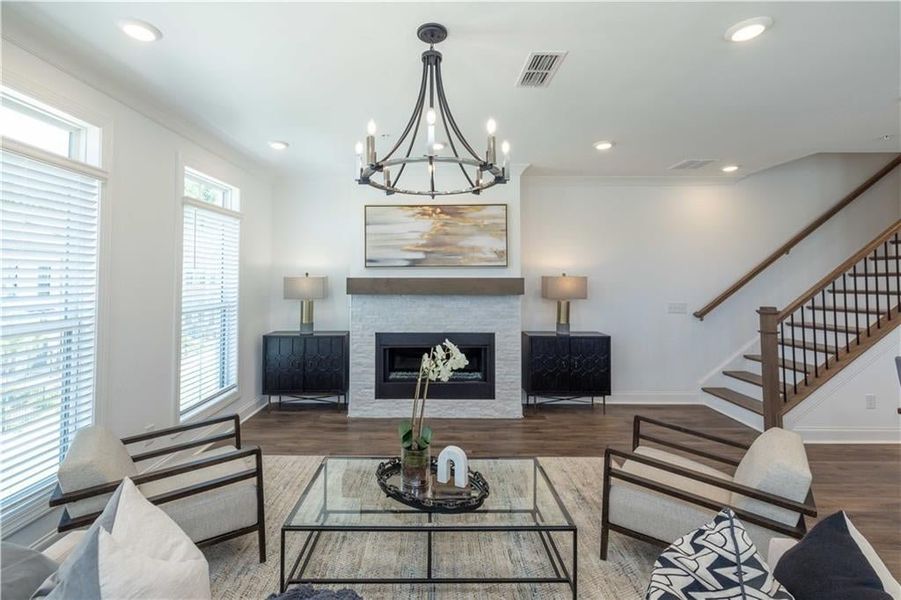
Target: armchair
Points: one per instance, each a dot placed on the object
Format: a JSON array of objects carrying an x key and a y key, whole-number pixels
[
  {"x": 658, "y": 496},
  {"x": 214, "y": 496}
]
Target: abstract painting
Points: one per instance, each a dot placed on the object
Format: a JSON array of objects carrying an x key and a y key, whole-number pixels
[{"x": 436, "y": 235}]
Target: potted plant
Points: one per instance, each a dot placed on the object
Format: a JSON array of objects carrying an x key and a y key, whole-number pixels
[{"x": 415, "y": 436}]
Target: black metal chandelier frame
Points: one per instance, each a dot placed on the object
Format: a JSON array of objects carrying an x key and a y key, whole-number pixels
[{"x": 487, "y": 172}]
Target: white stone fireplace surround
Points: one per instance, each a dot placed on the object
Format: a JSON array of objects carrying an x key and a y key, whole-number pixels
[{"x": 408, "y": 313}]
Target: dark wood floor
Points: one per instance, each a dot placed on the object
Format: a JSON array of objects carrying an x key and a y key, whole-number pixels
[{"x": 864, "y": 480}]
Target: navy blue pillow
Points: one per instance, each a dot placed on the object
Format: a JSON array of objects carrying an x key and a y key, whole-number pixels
[{"x": 828, "y": 565}]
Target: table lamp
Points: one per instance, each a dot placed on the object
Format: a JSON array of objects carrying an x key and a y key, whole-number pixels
[
  {"x": 564, "y": 288},
  {"x": 306, "y": 289}
]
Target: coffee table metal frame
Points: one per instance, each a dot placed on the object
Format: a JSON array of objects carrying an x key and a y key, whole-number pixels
[{"x": 562, "y": 575}]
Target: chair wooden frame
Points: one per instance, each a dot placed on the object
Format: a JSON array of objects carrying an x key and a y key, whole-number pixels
[
  {"x": 66, "y": 523},
  {"x": 808, "y": 507}
]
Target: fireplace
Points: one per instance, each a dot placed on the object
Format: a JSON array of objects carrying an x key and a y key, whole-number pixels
[{"x": 398, "y": 356}]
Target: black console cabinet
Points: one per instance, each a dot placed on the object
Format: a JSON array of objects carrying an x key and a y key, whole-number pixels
[
  {"x": 565, "y": 367},
  {"x": 312, "y": 366}
]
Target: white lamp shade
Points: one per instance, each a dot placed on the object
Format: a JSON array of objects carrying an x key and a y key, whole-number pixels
[
  {"x": 564, "y": 287},
  {"x": 305, "y": 288}
]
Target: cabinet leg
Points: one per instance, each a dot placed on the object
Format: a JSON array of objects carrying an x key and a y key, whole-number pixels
[
  {"x": 605, "y": 405},
  {"x": 592, "y": 402}
]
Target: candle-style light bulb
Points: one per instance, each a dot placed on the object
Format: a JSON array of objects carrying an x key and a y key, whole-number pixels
[
  {"x": 430, "y": 116},
  {"x": 358, "y": 148},
  {"x": 505, "y": 147},
  {"x": 491, "y": 126},
  {"x": 370, "y": 142}
]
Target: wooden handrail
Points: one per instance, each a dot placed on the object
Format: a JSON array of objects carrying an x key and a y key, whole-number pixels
[
  {"x": 798, "y": 237},
  {"x": 837, "y": 272}
]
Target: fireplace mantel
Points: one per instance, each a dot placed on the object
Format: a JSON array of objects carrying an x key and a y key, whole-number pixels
[{"x": 436, "y": 286}]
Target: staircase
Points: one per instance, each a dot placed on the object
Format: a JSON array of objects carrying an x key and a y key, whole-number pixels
[{"x": 812, "y": 339}]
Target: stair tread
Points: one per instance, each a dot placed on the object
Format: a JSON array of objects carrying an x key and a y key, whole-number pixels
[
  {"x": 824, "y": 348},
  {"x": 746, "y": 376},
  {"x": 889, "y": 274},
  {"x": 850, "y": 329},
  {"x": 789, "y": 364},
  {"x": 737, "y": 398},
  {"x": 889, "y": 257}
]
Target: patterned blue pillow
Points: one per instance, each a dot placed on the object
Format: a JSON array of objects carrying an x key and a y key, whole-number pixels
[{"x": 716, "y": 562}]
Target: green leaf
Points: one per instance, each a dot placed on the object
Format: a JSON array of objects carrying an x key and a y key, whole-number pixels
[
  {"x": 405, "y": 431},
  {"x": 425, "y": 437}
]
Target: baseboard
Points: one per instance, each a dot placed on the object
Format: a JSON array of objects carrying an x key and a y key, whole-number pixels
[
  {"x": 640, "y": 398},
  {"x": 841, "y": 435}
]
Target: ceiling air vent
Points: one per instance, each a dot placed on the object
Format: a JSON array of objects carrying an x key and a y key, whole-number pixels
[
  {"x": 691, "y": 164},
  {"x": 539, "y": 69}
]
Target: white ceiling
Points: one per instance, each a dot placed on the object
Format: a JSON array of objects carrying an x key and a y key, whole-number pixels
[{"x": 659, "y": 79}]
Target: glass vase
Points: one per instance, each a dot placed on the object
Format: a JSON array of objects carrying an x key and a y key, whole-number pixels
[{"x": 416, "y": 470}]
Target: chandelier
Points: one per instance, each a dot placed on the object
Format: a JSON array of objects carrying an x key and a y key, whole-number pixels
[{"x": 479, "y": 172}]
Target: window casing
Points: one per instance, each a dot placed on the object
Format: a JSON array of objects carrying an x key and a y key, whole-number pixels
[
  {"x": 208, "y": 353},
  {"x": 49, "y": 262}
]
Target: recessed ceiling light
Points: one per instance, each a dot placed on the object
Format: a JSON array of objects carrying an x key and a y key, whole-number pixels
[
  {"x": 278, "y": 145},
  {"x": 729, "y": 169},
  {"x": 140, "y": 30},
  {"x": 748, "y": 29},
  {"x": 603, "y": 145}
]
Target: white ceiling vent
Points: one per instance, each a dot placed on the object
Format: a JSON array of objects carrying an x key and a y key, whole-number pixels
[
  {"x": 539, "y": 69},
  {"x": 691, "y": 164}
]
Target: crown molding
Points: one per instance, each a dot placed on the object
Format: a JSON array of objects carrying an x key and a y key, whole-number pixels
[{"x": 74, "y": 64}]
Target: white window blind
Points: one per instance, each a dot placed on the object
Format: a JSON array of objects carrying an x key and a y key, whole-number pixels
[
  {"x": 48, "y": 257},
  {"x": 209, "y": 304}
]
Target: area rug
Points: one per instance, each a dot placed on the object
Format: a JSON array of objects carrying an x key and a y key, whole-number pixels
[{"x": 236, "y": 574}]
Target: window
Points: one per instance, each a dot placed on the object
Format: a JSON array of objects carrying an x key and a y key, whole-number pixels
[
  {"x": 209, "y": 293},
  {"x": 49, "y": 221},
  {"x": 26, "y": 120}
]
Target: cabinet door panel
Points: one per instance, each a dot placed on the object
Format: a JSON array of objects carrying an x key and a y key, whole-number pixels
[
  {"x": 590, "y": 365},
  {"x": 548, "y": 368},
  {"x": 283, "y": 365},
  {"x": 323, "y": 364}
]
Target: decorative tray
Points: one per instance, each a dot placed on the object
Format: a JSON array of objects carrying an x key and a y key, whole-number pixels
[{"x": 440, "y": 497}]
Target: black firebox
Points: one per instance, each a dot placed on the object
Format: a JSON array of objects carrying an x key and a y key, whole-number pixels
[{"x": 398, "y": 356}]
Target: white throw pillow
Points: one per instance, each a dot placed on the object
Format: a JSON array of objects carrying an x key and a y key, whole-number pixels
[
  {"x": 128, "y": 574},
  {"x": 133, "y": 550}
]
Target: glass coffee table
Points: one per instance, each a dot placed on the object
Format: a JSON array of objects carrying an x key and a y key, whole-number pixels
[{"x": 344, "y": 530}]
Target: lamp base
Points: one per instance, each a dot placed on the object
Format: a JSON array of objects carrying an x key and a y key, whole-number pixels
[
  {"x": 306, "y": 316},
  {"x": 562, "y": 317}
]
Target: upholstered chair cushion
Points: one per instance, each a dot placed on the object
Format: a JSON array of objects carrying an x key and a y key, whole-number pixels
[
  {"x": 776, "y": 463},
  {"x": 213, "y": 513},
  {"x": 658, "y": 515},
  {"x": 96, "y": 456}
]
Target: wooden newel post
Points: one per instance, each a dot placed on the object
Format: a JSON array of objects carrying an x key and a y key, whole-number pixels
[{"x": 769, "y": 354}]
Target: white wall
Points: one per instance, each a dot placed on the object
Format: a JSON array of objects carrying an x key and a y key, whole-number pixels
[
  {"x": 318, "y": 228},
  {"x": 140, "y": 224},
  {"x": 643, "y": 246},
  {"x": 838, "y": 412}
]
